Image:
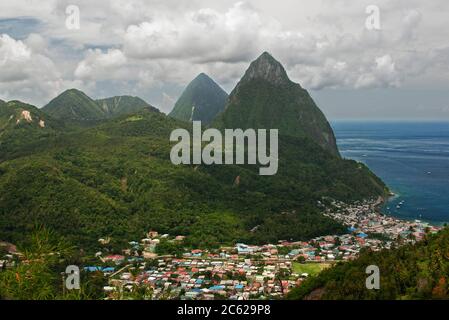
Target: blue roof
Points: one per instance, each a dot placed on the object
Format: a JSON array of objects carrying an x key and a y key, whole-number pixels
[
  {"x": 239, "y": 286},
  {"x": 362, "y": 235},
  {"x": 92, "y": 269},
  {"x": 216, "y": 288},
  {"x": 351, "y": 229},
  {"x": 109, "y": 269},
  {"x": 294, "y": 252}
]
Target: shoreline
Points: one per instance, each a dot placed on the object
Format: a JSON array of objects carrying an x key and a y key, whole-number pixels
[
  {"x": 366, "y": 216},
  {"x": 392, "y": 195}
]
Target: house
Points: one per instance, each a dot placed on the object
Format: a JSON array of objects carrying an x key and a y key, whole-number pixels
[
  {"x": 217, "y": 288},
  {"x": 92, "y": 269},
  {"x": 149, "y": 255},
  {"x": 192, "y": 294},
  {"x": 243, "y": 248},
  {"x": 362, "y": 235},
  {"x": 117, "y": 259}
]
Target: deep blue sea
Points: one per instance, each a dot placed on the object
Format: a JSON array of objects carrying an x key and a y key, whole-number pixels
[{"x": 412, "y": 158}]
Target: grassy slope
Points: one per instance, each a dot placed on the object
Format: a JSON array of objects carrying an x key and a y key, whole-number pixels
[{"x": 312, "y": 269}]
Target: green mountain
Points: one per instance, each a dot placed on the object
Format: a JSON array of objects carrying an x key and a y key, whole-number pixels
[
  {"x": 202, "y": 100},
  {"x": 419, "y": 271},
  {"x": 266, "y": 98},
  {"x": 120, "y": 105},
  {"x": 23, "y": 126},
  {"x": 16, "y": 114},
  {"x": 116, "y": 179},
  {"x": 74, "y": 105}
]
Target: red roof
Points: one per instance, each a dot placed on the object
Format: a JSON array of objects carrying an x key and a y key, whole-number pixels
[{"x": 115, "y": 257}]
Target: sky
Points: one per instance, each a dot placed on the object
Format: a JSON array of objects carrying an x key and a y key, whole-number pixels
[{"x": 356, "y": 64}]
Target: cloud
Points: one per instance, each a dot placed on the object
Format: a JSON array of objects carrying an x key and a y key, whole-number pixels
[
  {"x": 148, "y": 46},
  {"x": 410, "y": 23},
  {"x": 201, "y": 36},
  {"x": 99, "y": 65},
  {"x": 167, "y": 102},
  {"x": 26, "y": 74},
  {"x": 225, "y": 40},
  {"x": 382, "y": 74}
]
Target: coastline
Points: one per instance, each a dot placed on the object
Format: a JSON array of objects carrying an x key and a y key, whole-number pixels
[
  {"x": 383, "y": 209},
  {"x": 410, "y": 158},
  {"x": 366, "y": 217}
]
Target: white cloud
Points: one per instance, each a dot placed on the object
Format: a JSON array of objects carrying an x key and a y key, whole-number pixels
[
  {"x": 25, "y": 74},
  {"x": 99, "y": 66},
  {"x": 148, "y": 45},
  {"x": 410, "y": 23},
  {"x": 201, "y": 36},
  {"x": 37, "y": 43},
  {"x": 381, "y": 74}
]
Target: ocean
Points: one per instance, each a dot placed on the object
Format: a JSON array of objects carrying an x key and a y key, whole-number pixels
[{"x": 412, "y": 158}]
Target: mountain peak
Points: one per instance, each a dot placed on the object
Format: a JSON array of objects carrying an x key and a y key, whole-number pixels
[
  {"x": 72, "y": 91},
  {"x": 266, "y": 98},
  {"x": 267, "y": 68},
  {"x": 267, "y": 56},
  {"x": 73, "y": 104},
  {"x": 203, "y": 77},
  {"x": 201, "y": 100}
]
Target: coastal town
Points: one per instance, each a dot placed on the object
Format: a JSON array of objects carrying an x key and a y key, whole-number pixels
[
  {"x": 242, "y": 271},
  {"x": 259, "y": 272}
]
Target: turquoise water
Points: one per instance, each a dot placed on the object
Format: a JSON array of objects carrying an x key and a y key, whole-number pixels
[{"x": 412, "y": 158}]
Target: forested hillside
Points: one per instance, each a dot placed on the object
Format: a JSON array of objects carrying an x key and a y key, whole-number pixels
[
  {"x": 116, "y": 179},
  {"x": 86, "y": 176},
  {"x": 418, "y": 271}
]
